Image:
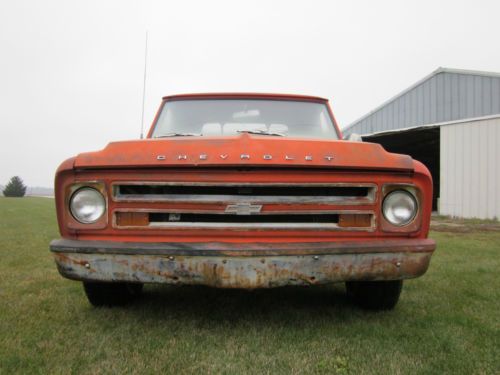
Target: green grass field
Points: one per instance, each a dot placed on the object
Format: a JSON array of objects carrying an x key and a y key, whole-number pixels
[{"x": 448, "y": 321}]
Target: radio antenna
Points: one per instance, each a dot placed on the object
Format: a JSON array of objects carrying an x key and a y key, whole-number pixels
[{"x": 144, "y": 84}]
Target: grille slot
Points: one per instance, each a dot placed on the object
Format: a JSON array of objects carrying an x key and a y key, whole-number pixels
[
  {"x": 233, "y": 193},
  {"x": 274, "y": 221},
  {"x": 215, "y": 218},
  {"x": 341, "y": 191}
]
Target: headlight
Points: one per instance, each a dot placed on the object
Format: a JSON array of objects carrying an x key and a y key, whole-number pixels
[
  {"x": 87, "y": 205},
  {"x": 399, "y": 207}
]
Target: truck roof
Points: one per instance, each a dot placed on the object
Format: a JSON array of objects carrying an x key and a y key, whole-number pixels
[{"x": 245, "y": 95}]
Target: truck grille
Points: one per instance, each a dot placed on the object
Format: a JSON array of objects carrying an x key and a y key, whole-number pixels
[{"x": 243, "y": 206}]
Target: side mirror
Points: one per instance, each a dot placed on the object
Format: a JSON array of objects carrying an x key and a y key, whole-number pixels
[{"x": 353, "y": 137}]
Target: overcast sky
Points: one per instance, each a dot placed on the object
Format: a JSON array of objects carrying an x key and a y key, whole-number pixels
[{"x": 71, "y": 71}]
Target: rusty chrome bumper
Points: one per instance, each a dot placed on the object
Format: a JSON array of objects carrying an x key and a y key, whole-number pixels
[{"x": 234, "y": 265}]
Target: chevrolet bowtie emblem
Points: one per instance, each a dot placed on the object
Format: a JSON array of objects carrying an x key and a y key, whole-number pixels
[{"x": 243, "y": 208}]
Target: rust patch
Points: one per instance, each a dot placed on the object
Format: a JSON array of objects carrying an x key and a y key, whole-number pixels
[{"x": 243, "y": 272}]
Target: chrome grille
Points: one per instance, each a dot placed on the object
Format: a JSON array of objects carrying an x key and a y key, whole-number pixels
[{"x": 244, "y": 206}]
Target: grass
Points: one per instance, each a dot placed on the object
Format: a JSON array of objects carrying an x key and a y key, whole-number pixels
[
  {"x": 447, "y": 321},
  {"x": 460, "y": 221}
]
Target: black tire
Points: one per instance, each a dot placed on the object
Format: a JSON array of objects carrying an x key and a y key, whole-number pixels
[
  {"x": 111, "y": 294},
  {"x": 375, "y": 295}
]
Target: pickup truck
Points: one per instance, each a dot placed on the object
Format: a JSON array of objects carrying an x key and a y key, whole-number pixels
[{"x": 243, "y": 191}]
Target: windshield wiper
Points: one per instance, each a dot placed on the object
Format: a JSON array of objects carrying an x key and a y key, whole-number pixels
[
  {"x": 178, "y": 135},
  {"x": 261, "y": 132}
]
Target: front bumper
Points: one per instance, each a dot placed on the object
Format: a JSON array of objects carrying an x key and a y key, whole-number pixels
[{"x": 234, "y": 265}]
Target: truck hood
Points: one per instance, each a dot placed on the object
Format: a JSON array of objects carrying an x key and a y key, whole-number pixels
[{"x": 243, "y": 150}]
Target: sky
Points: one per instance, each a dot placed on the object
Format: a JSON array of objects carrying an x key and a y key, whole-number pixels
[{"x": 71, "y": 72}]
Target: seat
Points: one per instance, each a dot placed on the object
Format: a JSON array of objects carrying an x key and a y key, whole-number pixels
[
  {"x": 211, "y": 128},
  {"x": 278, "y": 128}
]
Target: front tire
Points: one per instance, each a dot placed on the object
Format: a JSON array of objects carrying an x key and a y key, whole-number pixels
[
  {"x": 111, "y": 294},
  {"x": 375, "y": 295}
]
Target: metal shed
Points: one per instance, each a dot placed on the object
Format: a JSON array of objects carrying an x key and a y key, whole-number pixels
[{"x": 449, "y": 120}]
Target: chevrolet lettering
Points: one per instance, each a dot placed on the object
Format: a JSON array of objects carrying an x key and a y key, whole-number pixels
[{"x": 242, "y": 157}]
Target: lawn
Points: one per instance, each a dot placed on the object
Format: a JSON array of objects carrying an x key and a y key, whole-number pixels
[{"x": 447, "y": 321}]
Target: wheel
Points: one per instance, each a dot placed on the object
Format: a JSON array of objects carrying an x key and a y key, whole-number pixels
[
  {"x": 111, "y": 294},
  {"x": 375, "y": 295}
]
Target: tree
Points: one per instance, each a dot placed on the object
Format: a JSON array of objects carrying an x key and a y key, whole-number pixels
[{"x": 15, "y": 188}]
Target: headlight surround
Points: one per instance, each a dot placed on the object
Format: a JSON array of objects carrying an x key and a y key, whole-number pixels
[
  {"x": 399, "y": 207},
  {"x": 87, "y": 205}
]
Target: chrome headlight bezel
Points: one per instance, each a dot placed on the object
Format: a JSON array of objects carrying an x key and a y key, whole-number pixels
[
  {"x": 405, "y": 197},
  {"x": 94, "y": 198}
]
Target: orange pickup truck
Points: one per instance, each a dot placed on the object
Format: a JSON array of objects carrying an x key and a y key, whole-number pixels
[{"x": 243, "y": 191}]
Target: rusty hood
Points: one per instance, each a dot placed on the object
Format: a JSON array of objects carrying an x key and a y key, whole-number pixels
[{"x": 243, "y": 150}]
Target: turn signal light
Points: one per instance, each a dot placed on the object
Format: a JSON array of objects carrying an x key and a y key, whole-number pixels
[
  {"x": 355, "y": 220},
  {"x": 125, "y": 219}
]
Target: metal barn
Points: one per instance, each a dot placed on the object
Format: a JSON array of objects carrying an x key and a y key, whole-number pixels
[{"x": 450, "y": 121}]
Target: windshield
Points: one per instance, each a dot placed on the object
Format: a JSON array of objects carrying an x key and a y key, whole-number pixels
[{"x": 223, "y": 117}]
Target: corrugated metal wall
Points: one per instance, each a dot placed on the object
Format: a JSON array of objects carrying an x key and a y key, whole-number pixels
[
  {"x": 445, "y": 96},
  {"x": 470, "y": 169}
]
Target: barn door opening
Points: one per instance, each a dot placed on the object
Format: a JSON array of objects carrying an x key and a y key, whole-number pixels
[{"x": 421, "y": 144}]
